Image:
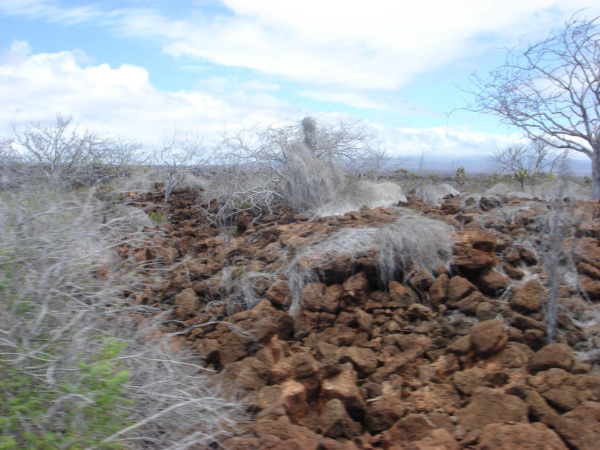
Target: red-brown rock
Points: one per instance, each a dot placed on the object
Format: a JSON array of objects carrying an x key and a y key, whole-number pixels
[
  {"x": 459, "y": 288},
  {"x": 278, "y": 293},
  {"x": 382, "y": 413},
  {"x": 553, "y": 355},
  {"x": 528, "y": 298},
  {"x": 493, "y": 283},
  {"x": 520, "y": 436},
  {"x": 489, "y": 337},
  {"x": 401, "y": 296},
  {"x": 489, "y": 406},
  {"x": 186, "y": 303},
  {"x": 335, "y": 421}
]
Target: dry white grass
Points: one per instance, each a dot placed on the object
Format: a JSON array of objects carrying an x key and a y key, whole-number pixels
[{"x": 61, "y": 302}]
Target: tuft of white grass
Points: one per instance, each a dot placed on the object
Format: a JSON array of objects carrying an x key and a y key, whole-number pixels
[
  {"x": 475, "y": 200},
  {"x": 363, "y": 193},
  {"x": 411, "y": 240},
  {"x": 548, "y": 191},
  {"x": 434, "y": 193},
  {"x": 308, "y": 181}
]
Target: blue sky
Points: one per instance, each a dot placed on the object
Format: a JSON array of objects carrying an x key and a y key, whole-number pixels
[{"x": 140, "y": 68}]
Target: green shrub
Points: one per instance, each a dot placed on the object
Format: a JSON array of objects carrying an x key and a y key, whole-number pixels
[
  {"x": 157, "y": 217},
  {"x": 36, "y": 414}
]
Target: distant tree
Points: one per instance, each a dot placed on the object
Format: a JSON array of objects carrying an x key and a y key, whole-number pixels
[
  {"x": 460, "y": 176},
  {"x": 8, "y": 158},
  {"x": 271, "y": 146},
  {"x": 121, "y": 156},
  {"x": 6, "y": 150},
  {"x": 551, "y": 91},
  {"x": 60, "y": 152},
  {"x": 301, "y": 163},
  {"x": 180, "y": 155},
  {"x": 526, "y": 160}
]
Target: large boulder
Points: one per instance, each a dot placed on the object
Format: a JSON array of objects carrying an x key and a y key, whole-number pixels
[{"x": 489, "y": 406}]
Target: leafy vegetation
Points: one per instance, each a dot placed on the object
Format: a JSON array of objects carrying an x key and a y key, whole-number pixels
[{"x": 38, "y": 414}]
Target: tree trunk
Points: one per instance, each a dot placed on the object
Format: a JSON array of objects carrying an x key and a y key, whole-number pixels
[{"x": 596, "y": 174}]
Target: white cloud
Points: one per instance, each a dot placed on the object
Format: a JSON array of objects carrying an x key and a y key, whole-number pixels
[
  {"x": 374, "y": 45},
  {"x": 118, "y": 100},
  {"x": 224, "y": 84},
  {"x": 445, "y": 142},
  {"x": 354, "y": 99},
  {"x": 34, "y": 87},
  {"x": 369, "y": 101},
  {"x": 379, "y": 45}
]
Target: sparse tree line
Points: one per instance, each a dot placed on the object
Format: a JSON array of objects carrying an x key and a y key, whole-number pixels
[{"x": 254, "y": 167}]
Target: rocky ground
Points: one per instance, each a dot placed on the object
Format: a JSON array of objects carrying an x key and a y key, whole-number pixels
[{"x": 454, "y": 359}]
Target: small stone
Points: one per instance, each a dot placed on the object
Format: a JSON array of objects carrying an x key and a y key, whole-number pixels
[
  {"x": 486, "y": 311},
  {"x": 186, "y": 303}
]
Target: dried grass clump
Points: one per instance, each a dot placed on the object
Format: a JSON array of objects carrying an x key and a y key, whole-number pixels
[
  {"x": 548, "y": 191},
  {"x": 62, "y": 310},
  {"x": 434, "y": 193},
  {"x": 352, "y": 196},
  {"x": 476, "y": 200},
  {"x": 308, "y": 181},
  {"x": 411, "y": 240}
]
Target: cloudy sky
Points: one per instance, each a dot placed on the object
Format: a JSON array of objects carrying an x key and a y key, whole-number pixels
[{"x": 140, "y": 68}]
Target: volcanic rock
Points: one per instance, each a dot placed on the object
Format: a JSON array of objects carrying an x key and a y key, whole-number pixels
[
  {"x": 489, "y": 337},
  {"x": 553, "y": 355}
]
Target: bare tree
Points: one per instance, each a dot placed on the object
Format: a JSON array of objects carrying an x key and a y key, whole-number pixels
[
  {"x": 8, "y": 158},
  {"x": 121, "y": 156},
  {"x": 6, "y": 150},
  {"x": 525, "y": 161},
  {"x": 270, "y": 146},
  {"x": 551, "y": 91},
  {"x": 59, "y": 152},
  {"x": 180, "y": 155},
  {"x": 378, "y": 161},
  {"x": 297, "y": 164}
]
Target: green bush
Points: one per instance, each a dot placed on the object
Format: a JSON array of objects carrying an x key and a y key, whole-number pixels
[
  {"x": 157, "y": 217},
  {"x": 36, "y": 414}
]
